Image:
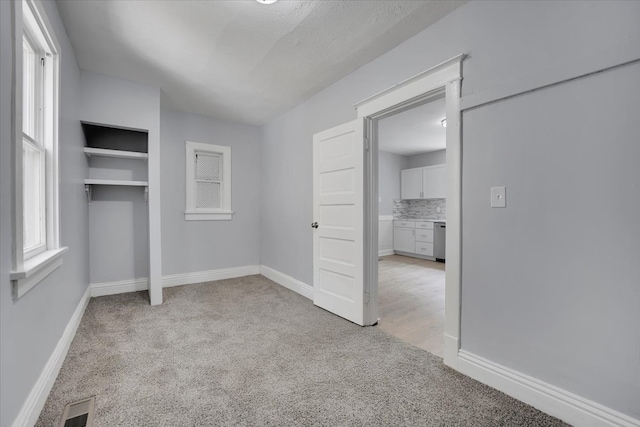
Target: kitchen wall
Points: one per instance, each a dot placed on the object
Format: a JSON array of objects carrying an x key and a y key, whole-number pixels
[
  {"x": 31, "y": 326},
  {"x": 427, "y": 159},
  {"x": 561, "y": 338},
  {"x": 389, "y": 167},
  {"x": 191, "y": 246}
]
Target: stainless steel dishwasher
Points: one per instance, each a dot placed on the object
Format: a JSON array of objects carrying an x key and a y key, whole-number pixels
[{"x": 439, "y": 240}]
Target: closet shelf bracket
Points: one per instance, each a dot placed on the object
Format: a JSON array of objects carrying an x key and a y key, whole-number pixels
[{"x": 87, "y": 189}]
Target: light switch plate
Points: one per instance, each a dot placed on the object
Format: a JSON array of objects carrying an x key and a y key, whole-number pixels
[{"x": 498, "y": 197}]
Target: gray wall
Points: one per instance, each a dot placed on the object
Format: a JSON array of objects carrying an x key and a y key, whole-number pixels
[
  {"x": 561, "y": 262},
  {"x": 389, "y": 167},
  {"x": 190, "y": 246},
  {"x": 427, "y": 159},
  {"x": 506, "y": 41},
  {"x": 119, "y": 231},
  {"x": 31, "y": 327},
  {"x": 118, "y": 218}
]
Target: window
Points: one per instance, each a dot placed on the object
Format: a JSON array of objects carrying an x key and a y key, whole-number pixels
[
  {"x": 208, "y": 182},
  {"x": 36, "y": 242}
]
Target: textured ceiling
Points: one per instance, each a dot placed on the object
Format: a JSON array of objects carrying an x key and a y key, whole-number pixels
[
  {"x": 414, "y": 131},
  {"x": 238, "y": 59}
]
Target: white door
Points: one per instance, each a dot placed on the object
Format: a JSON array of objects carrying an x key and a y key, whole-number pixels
[
  {"x": 411, "y": 183},
  {"x": 404, "y": 239},
  {"x": 434, "y": 184},
  {"x": 338, "y": 220}
]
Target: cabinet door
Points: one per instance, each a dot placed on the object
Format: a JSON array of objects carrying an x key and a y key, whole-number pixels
[
  {"x": 434, "y": 182},
  {"x": 404, "y": 240},
  {"x": 411, "y": 183}
]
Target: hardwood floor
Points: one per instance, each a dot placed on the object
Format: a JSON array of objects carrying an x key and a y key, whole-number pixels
[{"x": 411, "y": 301}]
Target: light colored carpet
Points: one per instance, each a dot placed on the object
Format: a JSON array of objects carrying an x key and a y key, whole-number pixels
[{"x": 250, "y": 352}]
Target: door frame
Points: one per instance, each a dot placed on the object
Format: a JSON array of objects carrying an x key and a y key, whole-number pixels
[{"x": 445, "y": 78}]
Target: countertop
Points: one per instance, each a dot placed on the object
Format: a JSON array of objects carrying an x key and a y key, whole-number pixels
[{"x": 420, "y": 220}]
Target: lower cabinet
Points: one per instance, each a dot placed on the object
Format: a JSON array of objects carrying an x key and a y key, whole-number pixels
[
  {"x": 413, "y": 238},
  {"x": 404, "y": 239}
]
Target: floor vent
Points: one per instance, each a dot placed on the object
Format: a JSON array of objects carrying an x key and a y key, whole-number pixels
[{"x": 79, "y": 414}]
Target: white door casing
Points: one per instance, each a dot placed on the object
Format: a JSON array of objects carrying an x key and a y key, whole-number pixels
[
  {"x": 443, "y": 78},
  {"x": 338, "y": 239}
]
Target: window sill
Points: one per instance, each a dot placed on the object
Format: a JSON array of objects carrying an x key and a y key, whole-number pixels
[
  {"x": 35, "y": 270},
  {"x": 208, "y": 216}
]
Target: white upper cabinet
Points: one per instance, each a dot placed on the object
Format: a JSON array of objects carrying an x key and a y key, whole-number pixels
[
  {"x": 434, "y": 182},
  {"x": 411, "y": 183},
  {"x": 424, "y": 183}
]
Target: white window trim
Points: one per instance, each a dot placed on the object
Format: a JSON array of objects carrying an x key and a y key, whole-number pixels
[
  {"x": 192, "y": 213},
  {"x": 27, "y": 273}
]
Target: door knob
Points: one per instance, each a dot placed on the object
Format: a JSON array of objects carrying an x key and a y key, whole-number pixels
[{"x": 314, "y": 225}]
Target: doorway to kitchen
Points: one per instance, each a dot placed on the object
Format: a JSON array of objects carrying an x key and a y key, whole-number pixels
[
  {"x": 430, "y": 85},
  {"x": 412, "y": 224}
]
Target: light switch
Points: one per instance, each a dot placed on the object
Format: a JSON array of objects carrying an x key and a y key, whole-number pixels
[{"x": 498, "y": 197}]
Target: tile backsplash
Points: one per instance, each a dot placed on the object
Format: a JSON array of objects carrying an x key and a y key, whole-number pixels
[{"x": 420, "y": 209}]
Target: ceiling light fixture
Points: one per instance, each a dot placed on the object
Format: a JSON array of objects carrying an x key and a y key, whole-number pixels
[
  {"x": 443, "y": 122},
  {"x": 266, "y": 1}
]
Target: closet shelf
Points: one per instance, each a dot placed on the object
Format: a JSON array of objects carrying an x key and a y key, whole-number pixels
[
  {"x": 90, "y": 181},
  {"x": 119, "y": 154}
]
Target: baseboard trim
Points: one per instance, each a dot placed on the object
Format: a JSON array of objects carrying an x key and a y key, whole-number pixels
[
  {"x": 34, "y": 403},
  {"x": 141, "y": 284},
  {"x": 209, "y": 276},
  {"x": 385, "y": 252},
  {"x": 552, "y": 400},
  {"x": 119, "y": 287},
  {"x": 287, "y": 281}
]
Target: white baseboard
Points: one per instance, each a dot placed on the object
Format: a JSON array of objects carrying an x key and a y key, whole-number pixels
[
  {"x": 34, "y": 403},
  {"x": 552, "y": 400},
  {"x": 119, "y": 287},
  {"x": 385, "y": 252},
  {"x": 141, "y": 284},
  {"x": 209, "y": 276},
  {"x": 287, "y": 281}
]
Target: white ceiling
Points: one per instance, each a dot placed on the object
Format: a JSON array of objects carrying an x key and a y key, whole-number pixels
[
  {"x": 238, "y": 59},
  {"x": 414, "y": 131}
]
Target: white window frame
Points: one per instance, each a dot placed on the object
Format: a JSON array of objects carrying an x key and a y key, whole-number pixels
[
  {"x": 30, "y": 267},
  {"x": 192, "y": 213}
]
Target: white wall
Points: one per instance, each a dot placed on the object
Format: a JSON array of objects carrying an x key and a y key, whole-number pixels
[
  {"x": 389, "y": 167},
  {"x": 427, "y": 159},
  {"x": 191, "y": 246},
  {"x": 31, "y": 327},
  {"x": 506, "y": 41}
]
